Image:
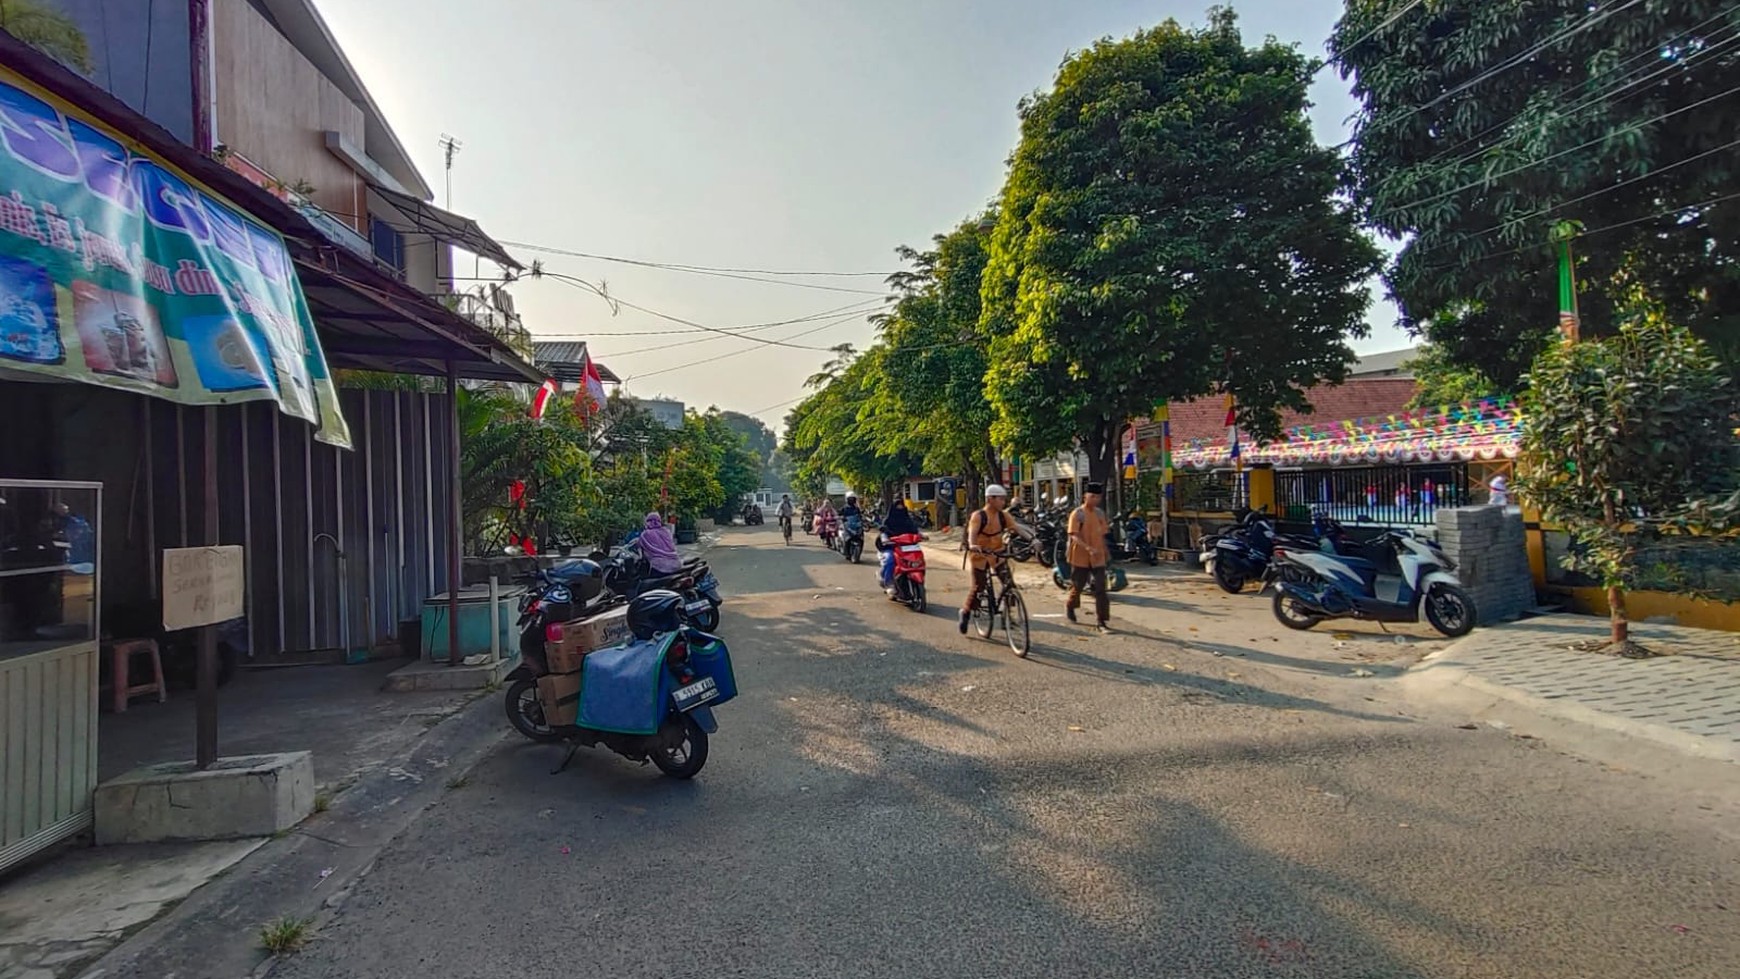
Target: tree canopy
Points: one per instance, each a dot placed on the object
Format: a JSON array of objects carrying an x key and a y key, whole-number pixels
[
  {"x": 1169, "y": 228},
  {"x": 1485, "y": 121}
]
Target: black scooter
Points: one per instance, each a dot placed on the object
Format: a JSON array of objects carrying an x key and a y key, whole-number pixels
[{"x": 1135, "y": 544}]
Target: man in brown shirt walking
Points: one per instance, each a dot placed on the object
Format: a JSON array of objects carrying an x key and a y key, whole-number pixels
[{"x": 1088, "y": 555}]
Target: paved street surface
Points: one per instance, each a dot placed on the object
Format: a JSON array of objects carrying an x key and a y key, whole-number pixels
[{"x": 891, "y": 799}]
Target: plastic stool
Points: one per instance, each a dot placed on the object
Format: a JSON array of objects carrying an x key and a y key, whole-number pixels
[{"x": 124, "y": 688}]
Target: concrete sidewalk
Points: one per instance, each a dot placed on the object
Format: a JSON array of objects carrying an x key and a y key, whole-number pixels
[{"x": 1688, "y": 699}]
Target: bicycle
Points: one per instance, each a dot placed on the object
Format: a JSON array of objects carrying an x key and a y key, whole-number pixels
[
  {"x": 785, "y": 528},
  {"x": 1009, "y": 604}
]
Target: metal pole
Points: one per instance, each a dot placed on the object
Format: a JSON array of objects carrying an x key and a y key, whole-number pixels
[
  {"x": 205, "y": 743},
  {"x": 494, "y": 619},
  {"x": 455, "y": 530}
]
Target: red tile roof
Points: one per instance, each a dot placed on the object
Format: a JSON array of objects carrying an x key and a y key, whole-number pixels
[{"x": 1205, "y": 418}]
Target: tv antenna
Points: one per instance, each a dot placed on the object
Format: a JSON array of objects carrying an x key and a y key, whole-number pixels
[{"x": 450, "y": 147}]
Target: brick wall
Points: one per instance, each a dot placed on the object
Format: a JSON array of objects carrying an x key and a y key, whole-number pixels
[{"x": 1491, "y": 556}]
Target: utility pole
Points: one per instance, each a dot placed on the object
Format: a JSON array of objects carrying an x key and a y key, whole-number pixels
[
  {"x": 1570, "y": 322},
  {"x": 450, "y": 147}
]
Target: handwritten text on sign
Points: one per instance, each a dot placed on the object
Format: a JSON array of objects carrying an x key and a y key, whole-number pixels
[{"x": 202, "y": 586}]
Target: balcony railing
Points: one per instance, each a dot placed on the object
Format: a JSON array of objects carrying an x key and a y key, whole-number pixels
[{"x": 489, "y": 316}]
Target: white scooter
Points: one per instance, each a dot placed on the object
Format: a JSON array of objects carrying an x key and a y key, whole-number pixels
[{"x": 1331, "y": 586}]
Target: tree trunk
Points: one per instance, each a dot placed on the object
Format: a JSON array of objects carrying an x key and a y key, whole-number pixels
[
  {"x": 1621, "y": 626},
  {"x": 1100, "y": 446}
]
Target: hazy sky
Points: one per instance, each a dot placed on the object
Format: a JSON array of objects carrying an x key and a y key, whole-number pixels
[{"x": 765, "y": 134}]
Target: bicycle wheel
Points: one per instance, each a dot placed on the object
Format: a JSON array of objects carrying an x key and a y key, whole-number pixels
[
  {"x": 1015, "y": 622},
  {"x": 985, "y": 613}
]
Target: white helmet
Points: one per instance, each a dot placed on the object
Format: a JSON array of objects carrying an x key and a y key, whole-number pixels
[{"x": 995, "y": 489}]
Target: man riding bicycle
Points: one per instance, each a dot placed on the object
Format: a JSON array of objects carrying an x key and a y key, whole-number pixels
[
  {"x": 984, "y": 538},
  {"x": 785, "y": 512}
]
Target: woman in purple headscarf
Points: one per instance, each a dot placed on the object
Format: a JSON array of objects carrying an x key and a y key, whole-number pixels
[{"x": 659, "y": 546}]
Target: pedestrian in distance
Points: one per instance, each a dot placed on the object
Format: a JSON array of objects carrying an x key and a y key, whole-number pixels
[{"x": 1088, "y": 556}]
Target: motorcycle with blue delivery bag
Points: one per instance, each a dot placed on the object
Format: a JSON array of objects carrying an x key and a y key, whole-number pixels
[{"x": 650, "y": 698}]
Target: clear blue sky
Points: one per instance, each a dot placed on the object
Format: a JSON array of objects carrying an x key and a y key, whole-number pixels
[{"x": 780, "y": 134}]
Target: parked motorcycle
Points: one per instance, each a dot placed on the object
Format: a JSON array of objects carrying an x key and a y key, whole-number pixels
[
  {"x": 1246, "y": 553},
  {"x": 1335, "y": 586},
  {"x": 551, "y": 600},
  {"x": 627, "y": 574},
  {"x": 852, "y": 538},
  {"x": 688, "y": 669},
  {"x": 1134, "y": 544},
  {"x": 908, "y": 570}
]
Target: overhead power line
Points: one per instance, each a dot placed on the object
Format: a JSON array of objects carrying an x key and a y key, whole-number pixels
[
  {"x": 1489, "y": 178},
  {"x": 736, "y": 353},
  {"x": 1368, "y": 35},
  {"x": 748, "y": 274},
  {"x": 1562, "y": 34},
  {"x": 583, "y": 284},
  {"x": 1624, "y": 81},
  {"x": 866, "y": 307},
  {"x": 1542, "y": 212}
]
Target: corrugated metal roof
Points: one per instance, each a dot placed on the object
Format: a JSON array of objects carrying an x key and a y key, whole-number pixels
[{"x": 562, "y": 358}]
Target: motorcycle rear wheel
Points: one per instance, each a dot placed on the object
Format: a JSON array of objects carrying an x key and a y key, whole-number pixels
[
  {"x": 1289, "y": 614},
  {"x": 526, "y": 712},
  {"x": 686, "y": 759},
  {"x": 1230, "y": 581}
]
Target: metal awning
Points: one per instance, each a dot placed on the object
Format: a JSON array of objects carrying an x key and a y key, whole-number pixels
[
  {"x": 447, "y": 226},
  {"x": 370, "y": 322}
]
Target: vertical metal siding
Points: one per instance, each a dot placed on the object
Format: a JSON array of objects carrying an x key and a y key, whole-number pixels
[{"x": 48, "y": 759}]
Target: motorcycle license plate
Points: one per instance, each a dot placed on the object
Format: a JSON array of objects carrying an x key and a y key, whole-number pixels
[
  {"x": 700, "y": 606},
  {"x": 695, "y": 694},
  {"x": 910, "y": 548}
]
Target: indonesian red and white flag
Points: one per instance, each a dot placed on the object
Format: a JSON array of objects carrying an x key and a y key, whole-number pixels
[
  {"x": 1232, "y": 427},
  {"x": 541, "y": 400},
  {"x": 590, "y": 397}
]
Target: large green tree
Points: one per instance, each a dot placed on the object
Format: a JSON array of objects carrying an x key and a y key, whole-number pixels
[
  {"x": 1485, "y": 121},
  {"x": 933, "y": 404},
  {"x": 838, "y": 430},
  {"x": 1169, "y": 229}
]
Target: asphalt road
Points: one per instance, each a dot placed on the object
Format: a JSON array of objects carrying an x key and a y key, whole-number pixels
[{"x": 891, "y": 799}]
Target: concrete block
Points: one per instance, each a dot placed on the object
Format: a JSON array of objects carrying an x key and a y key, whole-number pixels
[
  {"x": 423, "y": 675},
  {"x": 236, "y": 798}
]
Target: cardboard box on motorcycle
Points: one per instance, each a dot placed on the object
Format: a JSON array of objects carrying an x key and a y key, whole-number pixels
[
  {"x": 559, "y": 691},
  {"x": 582, "y": 636}
]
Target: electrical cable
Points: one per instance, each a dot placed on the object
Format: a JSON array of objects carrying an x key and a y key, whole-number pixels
[
  {"x": 1489, "y": 178},
  {"x": 1504, "y": 66},
  {"x": 734, "y": 353},
  {"x": 580, "y": 283},
  {"x": 1391, "y": 19},
  {"x": 1635, "y": 79},
  {"x": 1588, "y": 232},
  {"x": 683, "y": 267}
]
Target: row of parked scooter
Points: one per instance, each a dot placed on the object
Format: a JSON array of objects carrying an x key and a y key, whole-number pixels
[
  {"x": 1049, "y": 540},
  {"x": 1396, "y": 576}
]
